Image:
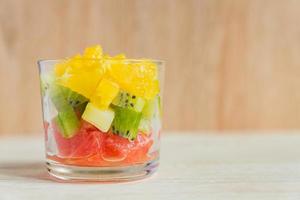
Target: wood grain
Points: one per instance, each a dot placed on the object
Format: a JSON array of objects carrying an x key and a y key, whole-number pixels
[{"x": 230, "y": 64}]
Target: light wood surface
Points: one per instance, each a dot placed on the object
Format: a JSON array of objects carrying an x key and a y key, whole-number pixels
[
  {"x": 231, "y": 64},
  {"x": 193, "y": 166}
]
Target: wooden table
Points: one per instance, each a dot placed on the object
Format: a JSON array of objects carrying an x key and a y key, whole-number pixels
[{"x": 193, "y": 166}]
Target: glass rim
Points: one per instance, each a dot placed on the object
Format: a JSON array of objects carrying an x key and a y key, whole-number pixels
[{"x": 156, "y": 61}]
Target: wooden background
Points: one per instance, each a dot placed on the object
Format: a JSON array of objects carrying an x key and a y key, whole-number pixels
[{"x": 231, "y": 64}]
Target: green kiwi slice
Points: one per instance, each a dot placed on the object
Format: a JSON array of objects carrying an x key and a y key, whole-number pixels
[
  {"x": 67, "y": 122},
  {"x": 74, "y": 99},
  {"x": 126, "y": 122},
  {"x": 77, "y": 101},
  {"x": 130, "y": 101},
  {"x": 66, "y": 119}
]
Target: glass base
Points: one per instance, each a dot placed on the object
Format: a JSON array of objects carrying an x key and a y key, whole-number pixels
[{"x": 101, "y": 174}]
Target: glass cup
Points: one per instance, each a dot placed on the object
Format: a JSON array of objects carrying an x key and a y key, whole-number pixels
[{"x": 102, "y": 118}]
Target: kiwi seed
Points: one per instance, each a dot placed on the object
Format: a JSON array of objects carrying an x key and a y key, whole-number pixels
[{"x": 133, "y": 97}]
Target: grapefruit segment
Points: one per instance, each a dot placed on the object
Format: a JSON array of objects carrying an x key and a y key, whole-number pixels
[
  {"x": 115, "y": 148},
  {"x": 83, "y": 144},
  {"x": 91, "y": 147}
]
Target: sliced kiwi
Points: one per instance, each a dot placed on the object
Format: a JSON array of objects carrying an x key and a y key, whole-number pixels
[
  {"x": 130, "y": 101},
  {"x": 59, "y": 125},
  {"x": 126, "y": 122},
  {"x": 77, "y": 101},
  {"x": 74, "y": 99},
  {"x": 80, "y": 109},
  {"x": 63, "y": 97},
  {"x": 67, "y": 123},
  {"x": 66, "y": 119},
  {"x": 58, "y": 97}
]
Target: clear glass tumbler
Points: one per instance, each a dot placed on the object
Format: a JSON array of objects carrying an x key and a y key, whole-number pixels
[{"x": 102, "y": 118}]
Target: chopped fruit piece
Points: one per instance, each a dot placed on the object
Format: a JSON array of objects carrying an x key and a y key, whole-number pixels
[
  {"x": 126, "y": 100},
  {"x": 77, "y": 62},
  {"x": 138, "y": 78},
  {"x": 139, "y": 151},
  {"x": 115, "y": 148},
  {"x": 94, "y": 148},
  {"x": 77, "y": 101},
  {"x": 106, "y": 91},
  {"x": 60, "y": 68},
  {"x": 91, "y": 147},
  {"x": 66, "y": 119},
  {"x": 85, "y": 143},
  {"x": 126, "y": 122},
  {"x": 120, "y": 71},
  {"x": 63, "y": 98},
  {"x": 74, "y": 99},
  {"x": 83, "y": 81},
  {"x": 67, "y": 122},
  {"x": 82, "y": 73},
  {"x": 145, "y": 89},
  {"x": 80, "y": 109},
  {"x": 57, "y": 95},
  {"x": 94, "y": 52},
  {"x": 101, "y": 118}
]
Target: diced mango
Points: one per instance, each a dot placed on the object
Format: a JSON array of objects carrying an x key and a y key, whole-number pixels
[
  {"x": 82, "y": 77},
  {"x": 137, "y": 78},
  {"x": 60, "y": 68},
  {"x": 94, "y": 52},
  {"x": 106, "y": 91},
  {"x": 82, "y": 74}
]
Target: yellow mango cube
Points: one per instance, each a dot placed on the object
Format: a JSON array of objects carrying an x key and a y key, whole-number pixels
[
  {"x": 94, "y": 52},
  {"x": 104, "y": 94},
  {"x": 84, "y": 83},
  {"x": 81, "y": 73},
  {"x": 138, "y": 78},
  {"x": 82, "y": 76}
]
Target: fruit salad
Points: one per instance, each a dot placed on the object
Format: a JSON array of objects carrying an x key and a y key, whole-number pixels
[{"x": 101, "y": 110}]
